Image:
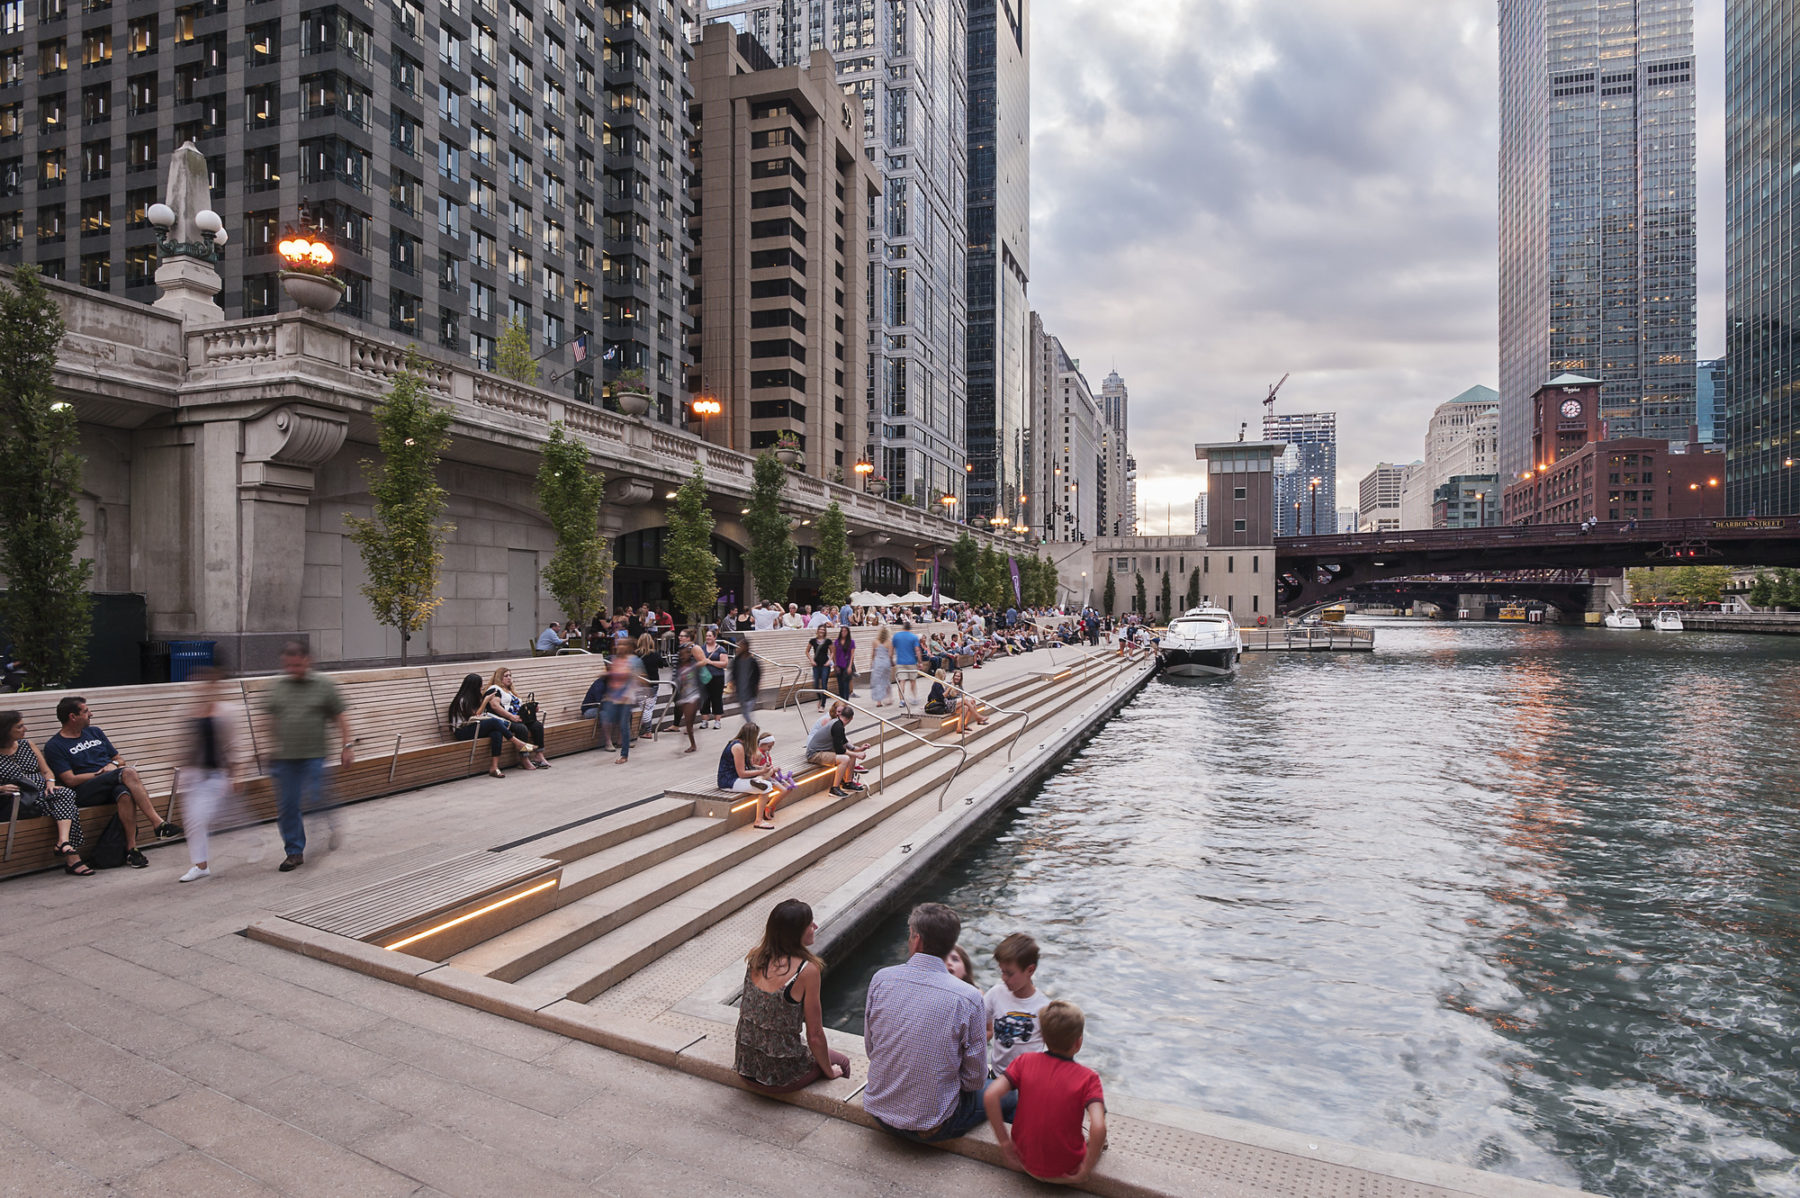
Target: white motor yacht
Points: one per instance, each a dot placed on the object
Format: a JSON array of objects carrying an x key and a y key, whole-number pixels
[
  {"x": 1667, "y": 621},
  {"x": 1623, "y": 617},
  {"x": 1203, "y": 642}
]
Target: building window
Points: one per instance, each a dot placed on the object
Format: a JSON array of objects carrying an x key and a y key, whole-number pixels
[
  {"x": 1238, "y": 493},
  {"x": 1236, "y": 526}
]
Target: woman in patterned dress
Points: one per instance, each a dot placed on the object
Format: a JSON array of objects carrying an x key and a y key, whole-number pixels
[
  {"x": 781, "y": 1032},
  {"x": 25, "y": 778}
]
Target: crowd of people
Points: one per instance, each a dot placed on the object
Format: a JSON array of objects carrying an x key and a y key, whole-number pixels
[{"x": 943, "y": 1055}]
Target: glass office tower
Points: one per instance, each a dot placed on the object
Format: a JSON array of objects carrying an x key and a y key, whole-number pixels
[
  {"x": 907, "y": 63},
  {"x": 999, "y": 252},
  {"x": 1597, "y": 212},
  {"x": 1762, "y": 266},
  {"x": 1311, "y": 440}
]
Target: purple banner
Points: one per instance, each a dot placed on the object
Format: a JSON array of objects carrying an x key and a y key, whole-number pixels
[
  {"x": 1018, "y": 596},
  {"x": 934, "y": 582}
]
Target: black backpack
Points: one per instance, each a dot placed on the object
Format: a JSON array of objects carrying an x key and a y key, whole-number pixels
[{"x": 108, "y": 851}]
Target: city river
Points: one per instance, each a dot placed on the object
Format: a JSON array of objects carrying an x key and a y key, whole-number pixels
[{"x": 1520, "y": 898}]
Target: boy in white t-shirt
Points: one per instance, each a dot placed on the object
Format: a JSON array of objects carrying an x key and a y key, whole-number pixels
[{"x": 1013, "y": 1003}]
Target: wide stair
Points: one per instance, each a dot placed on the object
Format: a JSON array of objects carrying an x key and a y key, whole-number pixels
[{"x": 641, "y": 882}]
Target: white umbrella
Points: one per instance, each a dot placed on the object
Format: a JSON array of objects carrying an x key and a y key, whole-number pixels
[
  {"x": 913, "y": 597},
  {"x": 892, "y": 599}
]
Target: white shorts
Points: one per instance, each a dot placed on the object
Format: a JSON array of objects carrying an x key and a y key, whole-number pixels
[
  {"x": 750, "y": 785},
  {"x": 906, "y": 673}
]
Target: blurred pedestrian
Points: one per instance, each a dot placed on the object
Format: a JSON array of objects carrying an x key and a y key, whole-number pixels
[{"x": 302, "y": 704}]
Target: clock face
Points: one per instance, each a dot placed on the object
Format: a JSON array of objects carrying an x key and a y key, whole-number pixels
[{"x": 1571, "y": 408}]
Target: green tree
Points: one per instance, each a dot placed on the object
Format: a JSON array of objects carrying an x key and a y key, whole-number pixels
[
  {"x": 1709, "y": 583},
  {"x": 687, "y": 551},
  {"x": 1110, "y": 595},
  {"x": 512, "y": 355},
  {"x": 1787, "y": 588},
  {"x": 46, "y": 605},
  {"x": 965, "y": 581},
  {"x": 1645, "y": 584},
  {"x": 1168, "y": 597},
  {"x": 836, "y": 565},
  {"x": 1762, "y": 590},
  {"x": 771, "y": 540},
  {"x": 1052, "y": 584},
  {"x": 1141, "y": 604},
  {"x": 571, "y": 495},
  {"x": 1193, "y": 595},
  {"x": 996, "y": 580},
  {"x": 402, "y": 544}
]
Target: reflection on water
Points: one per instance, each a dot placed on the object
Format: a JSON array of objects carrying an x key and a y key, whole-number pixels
[{"x": 1520, "y": 898}]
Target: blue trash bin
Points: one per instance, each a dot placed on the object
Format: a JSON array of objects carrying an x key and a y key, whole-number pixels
[{"x": 187, "y": 656}]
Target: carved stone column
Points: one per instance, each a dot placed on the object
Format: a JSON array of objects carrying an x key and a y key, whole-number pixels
[{"x": 282, "y": 448}]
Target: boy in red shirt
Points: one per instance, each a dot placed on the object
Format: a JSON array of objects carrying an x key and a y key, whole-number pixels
[{"x": 1054, "y": 1094}]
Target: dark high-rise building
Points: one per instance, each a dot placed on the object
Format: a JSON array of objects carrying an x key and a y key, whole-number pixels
[
  {"x": 1762, "y": 257},
  {"x": 999, "y": 253},
  {"x": 473, "y": 161},
  {"x": 1597, "y": 198}
]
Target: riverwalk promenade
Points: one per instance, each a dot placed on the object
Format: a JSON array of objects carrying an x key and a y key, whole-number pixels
[{"x": 192, "y": 1040}]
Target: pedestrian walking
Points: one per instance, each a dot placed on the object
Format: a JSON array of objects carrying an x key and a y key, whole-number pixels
[
  {"x": 206, "y": 775},
  {"x": 302, "y": 704},
  {"x": 881, "y": 667}
]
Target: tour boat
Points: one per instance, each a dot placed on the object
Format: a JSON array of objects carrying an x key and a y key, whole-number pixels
[
  {"x": 1333, "y": 614},
  {"x": 1623, "y": 617},
  {"x": 1514, "y": 611},
  {"x": 1667, "y": 621},
  {"x": 1202, "y": 643}
]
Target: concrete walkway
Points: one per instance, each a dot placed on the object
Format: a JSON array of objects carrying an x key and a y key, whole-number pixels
[{"x": 148, "y": 1048}]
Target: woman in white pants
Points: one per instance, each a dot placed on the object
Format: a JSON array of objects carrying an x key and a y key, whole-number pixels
[{"x": 206, "y": 772}]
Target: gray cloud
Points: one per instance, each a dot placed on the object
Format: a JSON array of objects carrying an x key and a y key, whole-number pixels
[{"x": 1227, "y": 190}]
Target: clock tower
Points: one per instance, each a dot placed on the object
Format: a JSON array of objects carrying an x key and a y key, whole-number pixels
[{"x": 1565, "y": 416}]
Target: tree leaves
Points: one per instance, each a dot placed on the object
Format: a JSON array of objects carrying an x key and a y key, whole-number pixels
[
  {"x": 402, "y": 543},
  {"x": 771, "y": 539},
  {"x": 836, "y": 565},
  {"x": 46, "y": 606},
  {"x": 687, "y": 551},
  {"x": 571, "y": 495}
]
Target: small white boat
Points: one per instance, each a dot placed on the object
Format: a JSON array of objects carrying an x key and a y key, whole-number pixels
[
  {"x": 1204, "y": 642},
  {"x": 1623, "y": 617},
  {"x": 1667, "y": 621}
]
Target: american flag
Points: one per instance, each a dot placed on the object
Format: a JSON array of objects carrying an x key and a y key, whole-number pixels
[{"x": 579, "y": 348}]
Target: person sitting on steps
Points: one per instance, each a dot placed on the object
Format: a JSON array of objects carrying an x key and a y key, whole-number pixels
[
  {"x": 499, "y": 703},
  {"x": 85, "y": 761},
  {"x": 781, "y": 1043},
  {"x": 829, "y": 745},
  {"x": 738, "y": 771}
]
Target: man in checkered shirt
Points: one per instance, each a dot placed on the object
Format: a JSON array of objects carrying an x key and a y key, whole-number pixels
[{"x": 926, "y": 1035}]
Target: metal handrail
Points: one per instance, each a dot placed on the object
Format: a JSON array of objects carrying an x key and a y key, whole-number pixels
[
  {"x": 1026, "y": 716},
  {"x": 881, "y": 719},
  {"x": 799, "y": 672}
]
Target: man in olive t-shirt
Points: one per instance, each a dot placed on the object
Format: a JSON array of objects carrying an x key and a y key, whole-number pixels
[{"x": 301, "y": 703}]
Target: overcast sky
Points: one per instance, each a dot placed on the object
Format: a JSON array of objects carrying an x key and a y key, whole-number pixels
[{"x": 1224, "y": 191}]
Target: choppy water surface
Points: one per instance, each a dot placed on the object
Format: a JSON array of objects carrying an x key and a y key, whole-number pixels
[{"x": 1521, "y": 898}]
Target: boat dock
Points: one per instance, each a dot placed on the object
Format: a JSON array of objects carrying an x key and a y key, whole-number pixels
[{"x": 1309, "y": 638}]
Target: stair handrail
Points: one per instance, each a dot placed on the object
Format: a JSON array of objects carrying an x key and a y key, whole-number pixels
[
  {"x": 882, "y": 760},
  {"x": 799, "y": 671},
  {"x": 1026, "y": 717}
]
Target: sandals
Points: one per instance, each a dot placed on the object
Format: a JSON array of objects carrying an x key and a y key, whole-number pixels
[
  {"x": 78, "y": 867},
  {"x": 496, "y": 773},
  {"x": 764, "y": 827}
]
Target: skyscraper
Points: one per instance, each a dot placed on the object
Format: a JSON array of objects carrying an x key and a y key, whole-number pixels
[
  {"x": 1597, "y": 212},
  {"x": 907, "y": 65},
  {"x": 1711, "y": 387},
  {"x": 470, "y": 164},
  {"x": 999, "y": 252},
  {"x": 1118, "y": 486},
  {"x": 1311, "y": 439},
  {"x": 1762, "y": 257}
]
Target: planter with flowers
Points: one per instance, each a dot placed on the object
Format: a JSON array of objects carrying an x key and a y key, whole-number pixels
[{"x": 787, "y": 448}]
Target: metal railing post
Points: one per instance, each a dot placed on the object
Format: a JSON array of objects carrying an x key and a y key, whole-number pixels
[{"x": 881, "y": 719}]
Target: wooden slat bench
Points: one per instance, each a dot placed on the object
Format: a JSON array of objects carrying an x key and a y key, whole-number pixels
[{"x": 408, "y": 703}]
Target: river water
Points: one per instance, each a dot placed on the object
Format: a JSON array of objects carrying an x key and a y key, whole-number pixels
[{"x": 1522, "y": 898}]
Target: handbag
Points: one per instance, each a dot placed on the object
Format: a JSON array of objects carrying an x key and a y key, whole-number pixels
[
  {"x": 706, "y": 675},
  {"x": 30, "y": 797},
  {"x": 528, "y": 710}
]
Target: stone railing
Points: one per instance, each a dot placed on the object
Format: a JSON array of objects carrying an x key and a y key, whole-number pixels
[{"x": 327, "y": 356}]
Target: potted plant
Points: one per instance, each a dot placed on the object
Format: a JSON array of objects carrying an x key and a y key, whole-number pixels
[
  {"x": 787, "y": 448},
  {"x": 306, "y": 274},
  {"x": 632, "y": 391}
]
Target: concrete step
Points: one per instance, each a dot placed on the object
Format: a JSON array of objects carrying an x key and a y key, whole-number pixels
[
  {"x": 592, "y": 835},
  {"x": 606, "y": 960},
  {"x": 667, "y": 876}
]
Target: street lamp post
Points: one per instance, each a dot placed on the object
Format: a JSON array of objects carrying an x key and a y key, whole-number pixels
[
  {"x": 705, "y": 408},
  {"x": 864, "y": 468},
  {"x": 1315, "y": 506}
]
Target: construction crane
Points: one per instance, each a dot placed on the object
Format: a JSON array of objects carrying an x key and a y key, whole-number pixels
[{"x": 1269, "y": 403}]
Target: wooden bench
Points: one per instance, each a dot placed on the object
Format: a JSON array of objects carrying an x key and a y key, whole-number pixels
[{"x": 397, "y": 719}]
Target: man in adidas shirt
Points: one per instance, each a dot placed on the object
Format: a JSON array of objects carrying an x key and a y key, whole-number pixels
[{"x": 85, "y": 761}]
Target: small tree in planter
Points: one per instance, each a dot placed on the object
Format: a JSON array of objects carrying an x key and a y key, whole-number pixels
[
  {"x": 1142, "y": 602},
  {"x": 402, "y": 544},
  {"x": 631, "y": 388},
  {"x": 1110, "y": 596},
  {"x": 570, "y": 494},
  {"x": 512, "y": 355},
  {"x": 46, "y": 605},
  {"x": 771, "y": 539},
  {"x": 687, "y": 551},
  {"x": 1168, "y": 599},
  {"x": 1193, "y": 595},
  {"x": 836, "y": 565}
]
